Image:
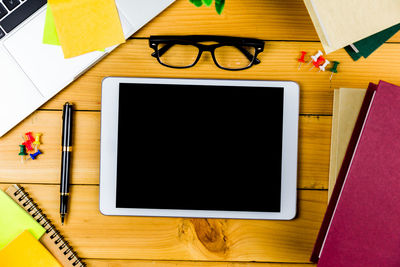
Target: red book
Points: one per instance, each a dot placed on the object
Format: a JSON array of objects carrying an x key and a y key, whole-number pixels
[{"x": 362, "y": 224}]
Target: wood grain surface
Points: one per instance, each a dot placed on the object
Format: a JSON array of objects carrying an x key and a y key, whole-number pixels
[
  {"x": 100, "y": 237},
  {"x": 143, "y": 241}
]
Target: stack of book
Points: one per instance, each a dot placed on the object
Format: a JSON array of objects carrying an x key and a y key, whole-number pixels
[
  {"x": 358, "y": 26},
  {"x": 360, "y": 227}
]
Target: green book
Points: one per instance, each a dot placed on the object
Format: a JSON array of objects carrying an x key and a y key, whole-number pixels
[
  {"x": 14, "y": 220},
  {"x": 367, "y": 46}
]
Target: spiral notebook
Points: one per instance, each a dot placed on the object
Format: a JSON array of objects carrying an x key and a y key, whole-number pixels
[{"x": 51, "y": 239}]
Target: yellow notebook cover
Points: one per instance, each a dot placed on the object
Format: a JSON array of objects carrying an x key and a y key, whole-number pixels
[
  {"x": 86, "y": 25},
  {"x": 25, "y": 251}
]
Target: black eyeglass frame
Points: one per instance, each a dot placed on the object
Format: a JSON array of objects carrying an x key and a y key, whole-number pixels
[{"x": 238, "y": 42}]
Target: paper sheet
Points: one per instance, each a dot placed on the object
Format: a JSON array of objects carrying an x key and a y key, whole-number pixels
[{"x": 86, "y": 25}]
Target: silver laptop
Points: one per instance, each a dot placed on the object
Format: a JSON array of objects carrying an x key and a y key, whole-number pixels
[{"x": 32, "y": 72}]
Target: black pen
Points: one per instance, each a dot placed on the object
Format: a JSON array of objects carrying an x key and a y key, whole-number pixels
[{"x": 66, "y": 143}]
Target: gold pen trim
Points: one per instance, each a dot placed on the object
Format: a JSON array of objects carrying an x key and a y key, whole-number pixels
[
  {"x": 64, "y": 194},
  {"x": 67, "y": 148}
]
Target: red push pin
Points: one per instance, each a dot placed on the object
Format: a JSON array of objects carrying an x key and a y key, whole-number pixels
[
  {"x": 301, "y": 59},
  {"x": 29, "y": 136},
  {"x": 318, "y": 62},
  {"x": 28, "y": 145},
  {"x": 27, "y": 142}
]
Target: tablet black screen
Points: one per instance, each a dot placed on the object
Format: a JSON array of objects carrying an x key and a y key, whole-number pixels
[{"x": 199, "y": 147}]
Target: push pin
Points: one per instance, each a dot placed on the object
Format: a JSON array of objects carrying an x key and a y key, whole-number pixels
[
  {"x": 22, "y": 152},
  {"x": 37, "y": 143},
  {"x": 301, "y": 59},
  {"x": 318, "y": 62},
  {"x": 29, "y": 137},
  {"x": 316, "y": 56},
  {"x": 323, "y": 66},
  {"x": 334, "y": 68},
  {"x": 33, "y": 156},
  {"x": 28, "y": 145}
]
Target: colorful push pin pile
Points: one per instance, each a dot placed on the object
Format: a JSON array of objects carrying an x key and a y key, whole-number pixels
[
  {"x": 30, "y": 145},
  {"x": 318, "y": 62}
]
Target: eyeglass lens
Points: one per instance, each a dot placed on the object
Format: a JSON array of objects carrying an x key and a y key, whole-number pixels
[
  {"x": 177, "y": 55},
  {"x": 229, "y": 57},
  {"x": 234, "y": 57}
]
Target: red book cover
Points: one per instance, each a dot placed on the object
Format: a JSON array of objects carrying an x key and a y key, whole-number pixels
[
  {"x": 343, "y": 171},
  {"x": 365, "y": 223}
]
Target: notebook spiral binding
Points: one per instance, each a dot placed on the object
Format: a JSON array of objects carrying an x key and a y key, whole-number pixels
[{"x": 23, "y": 197}]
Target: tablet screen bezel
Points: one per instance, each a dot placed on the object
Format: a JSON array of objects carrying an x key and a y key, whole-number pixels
[{"x": 109, "y": 141}]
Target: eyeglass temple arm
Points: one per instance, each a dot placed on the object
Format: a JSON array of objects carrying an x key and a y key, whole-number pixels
[
  {"x": 162, "y": 50},
  {"x": 241, "y": 49},
  {"x": 248, "y": 54}
]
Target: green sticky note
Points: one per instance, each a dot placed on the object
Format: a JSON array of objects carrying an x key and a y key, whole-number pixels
[
  {"x": 14, "y": 220},
  {"x": 50, "y": 32}
]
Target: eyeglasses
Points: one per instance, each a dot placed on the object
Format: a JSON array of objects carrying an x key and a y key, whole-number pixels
[{"x": 228, "y": 53}]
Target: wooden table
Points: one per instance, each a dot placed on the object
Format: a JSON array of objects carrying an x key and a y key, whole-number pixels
[{"x": 129, "y": 241}]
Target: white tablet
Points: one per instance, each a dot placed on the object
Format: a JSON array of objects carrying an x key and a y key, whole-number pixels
[{"x": 199, "y": 148}]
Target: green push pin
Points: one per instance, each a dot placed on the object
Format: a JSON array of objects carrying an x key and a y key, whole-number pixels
[
  {"x": 334, "y": 68},
  {"x": 22, "y": 152}
]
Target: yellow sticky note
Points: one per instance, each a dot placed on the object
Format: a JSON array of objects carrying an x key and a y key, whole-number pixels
[
  {"x": 25, "y": 251},
  {"x": 86, "y": 25}
]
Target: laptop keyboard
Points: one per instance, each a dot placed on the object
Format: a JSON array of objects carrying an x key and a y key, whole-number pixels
[{"x": 14, "y": 12}]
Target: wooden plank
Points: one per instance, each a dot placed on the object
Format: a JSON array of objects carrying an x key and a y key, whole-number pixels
[
  {"x": 278, "y": 63},
  {"x": 97, "y": 236},
  {"x": 314, "y": 140},
  {"x": 314, "y": 148},
  {"x": 46, "y": 168},
  {"x": 129, "y": 263},
  {"x": 267, "y": 19}
]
